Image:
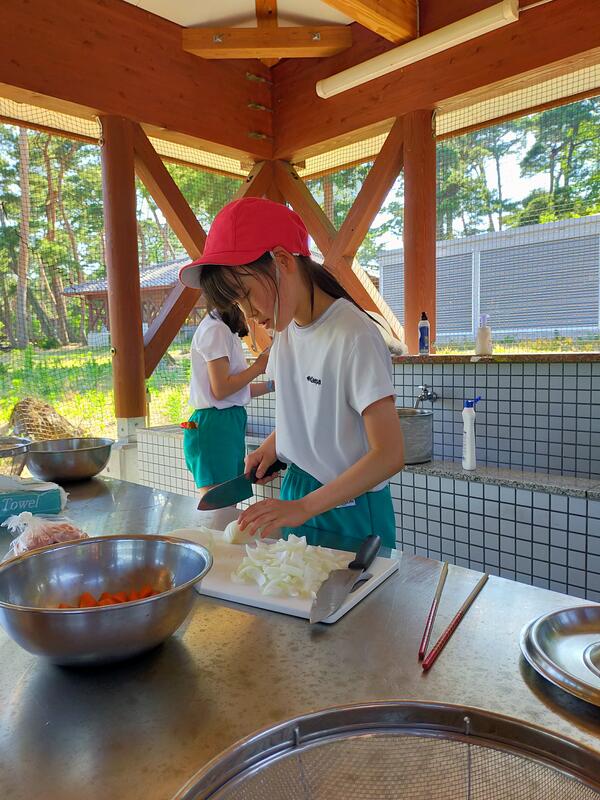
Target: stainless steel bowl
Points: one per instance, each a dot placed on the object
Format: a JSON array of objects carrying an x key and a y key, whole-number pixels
[
  {"x": 68, "y": 459},
  {"x": 32, "y": 586}
]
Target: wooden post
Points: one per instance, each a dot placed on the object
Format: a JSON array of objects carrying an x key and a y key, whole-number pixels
[
  {"x": 124, "y": 305},
  {"x": 419, "y": 224},
  {"x": 346, "y": 269}
]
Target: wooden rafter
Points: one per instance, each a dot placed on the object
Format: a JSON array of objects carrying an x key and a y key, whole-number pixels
[
  {"x": 266, "y": 18},
  {"x": 395, "y": 20},
  {"x": 294, "y": 42},
  {"x": 167, "y": 196},
  {"x": 106, "y": 56},
  {"x": 372, "y": 194},
  {"x": 345, "y": 268},
  {"x": 513, "y": 57}
]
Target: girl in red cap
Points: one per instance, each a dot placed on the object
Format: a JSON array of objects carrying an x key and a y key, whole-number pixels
[
  {"x": 336, "y": 424},
  {"x": 214, "y": 438}
]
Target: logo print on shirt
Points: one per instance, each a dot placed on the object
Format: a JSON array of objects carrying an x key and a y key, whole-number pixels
[{"x": 316, "y": 381}]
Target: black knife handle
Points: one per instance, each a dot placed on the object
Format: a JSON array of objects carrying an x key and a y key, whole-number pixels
[
  {"x": 366, "y": 553},
  {"x": 276, "y": 466}
]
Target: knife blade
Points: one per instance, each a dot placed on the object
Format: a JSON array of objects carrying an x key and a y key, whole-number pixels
[
  {"x": 334, "y": 589},
  {"x": 237, "y": 489}
]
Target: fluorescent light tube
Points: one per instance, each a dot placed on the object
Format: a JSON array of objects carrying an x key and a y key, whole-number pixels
[{"x": 462, "y": 30}]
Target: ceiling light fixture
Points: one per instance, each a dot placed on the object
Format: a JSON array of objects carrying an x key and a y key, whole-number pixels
[{"x": 462, "y": 30}]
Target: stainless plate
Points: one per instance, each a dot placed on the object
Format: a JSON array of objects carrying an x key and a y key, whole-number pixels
[{"x": 564, "y": 647}]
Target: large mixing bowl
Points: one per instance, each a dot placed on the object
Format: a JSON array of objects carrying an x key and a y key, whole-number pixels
[
  {"x": 32, "y": 586},
  {"x": 68, "y": 459}
]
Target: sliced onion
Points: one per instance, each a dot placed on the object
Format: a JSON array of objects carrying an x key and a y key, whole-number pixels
[{"x": 287, "y": 568}]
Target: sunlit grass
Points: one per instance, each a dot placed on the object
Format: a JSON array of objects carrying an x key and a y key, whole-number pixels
[
  {"x": 77, "y": 382},
  {"x": 508, "y": 345}
]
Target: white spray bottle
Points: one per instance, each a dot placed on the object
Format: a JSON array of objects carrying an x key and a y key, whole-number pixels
[{"x": 468, "y": 414}]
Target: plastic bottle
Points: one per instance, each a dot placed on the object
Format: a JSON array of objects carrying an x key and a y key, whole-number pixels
[
  {"x": 423, "y": 328},
  {"x": 468, "y": 414},
  {"x": 483, "y": 340}
]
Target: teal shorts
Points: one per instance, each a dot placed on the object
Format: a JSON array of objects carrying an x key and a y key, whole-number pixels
[
  {"x": 214, "y": 450},
  {"x": 341, "y": 528}
]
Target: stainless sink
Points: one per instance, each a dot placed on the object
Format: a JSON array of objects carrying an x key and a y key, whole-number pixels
[{"x": 417, "y": 427}]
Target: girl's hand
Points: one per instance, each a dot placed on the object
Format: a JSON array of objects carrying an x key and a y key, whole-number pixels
[
  {"x": 262, "y": 458},
  {"x": 269, "y": 515},
  {"x": 262, "y": 360}
]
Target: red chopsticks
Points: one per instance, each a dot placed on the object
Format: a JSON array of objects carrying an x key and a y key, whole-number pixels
[
  {"x": 433, "y": 611},
  {"x": 437, "y": 648}
]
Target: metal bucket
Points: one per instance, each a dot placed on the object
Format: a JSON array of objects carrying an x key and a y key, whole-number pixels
[
  {"x": 400, "y": 751},
  {"x": 417, "y": 428}
]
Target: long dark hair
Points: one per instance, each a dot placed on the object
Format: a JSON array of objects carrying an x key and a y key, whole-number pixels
[
  {"x": 223, "y": 288},
  {"x": 233, "y": 318}
]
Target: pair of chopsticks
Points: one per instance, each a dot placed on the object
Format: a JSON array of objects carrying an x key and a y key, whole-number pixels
[{"x": 429, "y": 660}]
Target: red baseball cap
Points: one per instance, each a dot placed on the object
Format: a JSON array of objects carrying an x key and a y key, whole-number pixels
[{"x": 243, "y": 231}]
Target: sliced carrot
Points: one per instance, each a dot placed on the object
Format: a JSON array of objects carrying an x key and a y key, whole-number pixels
[
  {"x": 106, "y": 596},
  {"x": 87, "y": 600},
  {"x": 119, "y": 597},
  {"x": 133, "y": 595},
  {"x": 108, "y": 601},
  {"x": 155, "y": 592},
  {"x": 65, "y": 605},
  {"x": 145, "y": 591}
]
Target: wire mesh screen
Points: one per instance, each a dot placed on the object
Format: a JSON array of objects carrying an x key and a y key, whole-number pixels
[
  {"x": 399, "y": 767},
  {"x": 54, "y": 321}
]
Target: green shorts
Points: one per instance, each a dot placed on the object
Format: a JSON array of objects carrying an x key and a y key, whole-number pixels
[
  {"x": 341, "y": 528},
  {"x": 214, "y": 450}
]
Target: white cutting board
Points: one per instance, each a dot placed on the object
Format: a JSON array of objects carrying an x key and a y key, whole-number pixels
[{"x": 226, "y": 558}]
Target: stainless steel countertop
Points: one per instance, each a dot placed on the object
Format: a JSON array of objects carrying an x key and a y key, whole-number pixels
[{"x": 139, "y": 730}]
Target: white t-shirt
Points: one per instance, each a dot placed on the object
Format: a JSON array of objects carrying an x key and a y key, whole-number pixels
[
  {"x": 213, "y": 340},
  {"x": 326, "y": 374}
]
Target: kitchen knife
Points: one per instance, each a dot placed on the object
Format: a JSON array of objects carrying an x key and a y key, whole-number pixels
[
  {"x": 235, "y": 490},
  {"x": 336, "y": 588}
]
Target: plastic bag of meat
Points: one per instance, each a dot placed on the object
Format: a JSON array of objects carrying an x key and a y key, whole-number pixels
[{"x": 31, "y": 532}]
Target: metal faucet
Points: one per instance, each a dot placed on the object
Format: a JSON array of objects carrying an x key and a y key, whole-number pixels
[{"x": 425, "y": 394}]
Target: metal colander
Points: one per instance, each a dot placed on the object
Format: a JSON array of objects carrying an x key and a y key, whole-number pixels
[{"x": 401, "y": 751}]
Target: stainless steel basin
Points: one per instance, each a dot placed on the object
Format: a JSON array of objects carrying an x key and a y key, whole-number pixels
[
  {"x": 417, "y": 427},
  {"x": 68, "y": 459},
  {"x": 32, "y": 586}
]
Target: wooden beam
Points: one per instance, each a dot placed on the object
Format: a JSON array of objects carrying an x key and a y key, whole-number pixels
[
  {"x": 419, "y": 224},
  {"x": 167, "y": 195},
  {"x": 258, "y": 181},
  {"x": 108, "y": 56},
  {"x": 297, "y": 194},
  {"x": 181, "y": 299},
  {"x": 266, "y": 17},
  {"x": 372, "y": 194},
  {"x": 123, "y": 274},
  {"x": 530, "y": 46},
  {"x": 346, "y": 270},
  {"x": 257, "y": 184},
  {"x": 395, "y": 20},
  {"x": 261, "y": 42}
]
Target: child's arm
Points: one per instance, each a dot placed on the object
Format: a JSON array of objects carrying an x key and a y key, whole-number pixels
[
  {"x": 223, "y": 383},
  {"x": 260, "y": 388},
  {"x": 384, "y": 459}
]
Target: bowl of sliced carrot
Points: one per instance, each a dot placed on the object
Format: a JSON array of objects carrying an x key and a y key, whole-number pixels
[{"x": 101, "y": 599}]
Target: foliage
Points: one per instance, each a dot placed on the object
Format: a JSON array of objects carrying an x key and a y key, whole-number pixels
[{"x": 474, "y": 192}]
